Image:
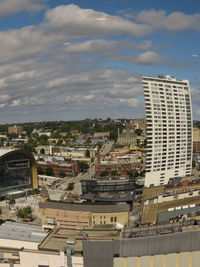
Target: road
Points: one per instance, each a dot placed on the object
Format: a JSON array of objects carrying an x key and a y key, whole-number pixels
[{"x": 106, "y": 148}]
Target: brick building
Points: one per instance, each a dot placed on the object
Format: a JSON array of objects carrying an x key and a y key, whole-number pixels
[
  {"x": 15, "y": 130},
  {"x": 70, "y": 168},
  {"x": 122, "y": 169}
]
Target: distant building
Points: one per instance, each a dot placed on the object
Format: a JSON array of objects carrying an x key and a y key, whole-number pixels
[
  {"x": 127, "y": 137},
  {"x": 101, "y": 134},
  {"x": 44, "y": 150},
  {"x": 196, "y": 140},
  {"x": 15, "y": 130},
  {"x": 15, "y": 142},
  {"x": 75, "y": 133},
  {"x": 139, "y": 124}
]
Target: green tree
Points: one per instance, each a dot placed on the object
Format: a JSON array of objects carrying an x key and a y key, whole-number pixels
[
  {"x": 87, "y": 153},
  {"x": 104, "y": 173},
  {"x": 114, "y": 173},
  {"x": 49, "y": 171},
  {"x": 62, "y": 174},
  {"x": 42, "y": 151},
  {"x": 70, "y": 186},
  {"x": 83, "y": 166},
  {"x": 40, "y": 170},
  {"x": 139, "y": 132},
  {"x": 24, "y": 212}
]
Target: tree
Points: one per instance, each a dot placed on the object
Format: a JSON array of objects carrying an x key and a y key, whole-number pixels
[
  {"x": 87, "y": 153},
  {"x": 62, "y": 174},
  {"x": 193, "y": 164},
  {"x": 70, "y": 186},
  {"x": 42, "y": 151},
  {"x": 24, "y": 212},
  {"x": 104, "y": 173},
  {"x": 114, "y": 173},
  {"x": 40, "y": 170},
  {"x": 49, "y": 171},
  {"x": 83, "y": 166},
  {"x": 139, "y": 132}
]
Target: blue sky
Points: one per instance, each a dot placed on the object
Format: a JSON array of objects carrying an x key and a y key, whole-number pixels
[{"x": 69, "y": 60}]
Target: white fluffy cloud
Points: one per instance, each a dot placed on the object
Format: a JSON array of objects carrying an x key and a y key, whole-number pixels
[
  {"x": 175, "y": 21},
  {"x": 8, "y": 7},
  {"x": 47, "y": 72},
  {"x": 75, "y": 21}
]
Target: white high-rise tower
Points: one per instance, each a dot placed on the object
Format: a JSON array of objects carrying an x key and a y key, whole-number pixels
[{"x": 169, "y": 129}]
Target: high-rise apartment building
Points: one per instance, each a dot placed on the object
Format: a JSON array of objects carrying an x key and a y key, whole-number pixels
[{"x": 169, "y": 129}]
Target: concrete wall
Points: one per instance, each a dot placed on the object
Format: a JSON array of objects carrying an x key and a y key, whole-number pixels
[
  {"x": 30, "y": 259},
  {"x": 11, "y": 243}
]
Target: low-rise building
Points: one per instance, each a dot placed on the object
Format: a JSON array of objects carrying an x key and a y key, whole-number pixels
[
  {"x": 117, "y": 169},
  {"x": 101, "y": 134},
  {"x": 70, "y": 168},
  {"x": 83, "y": 215}
]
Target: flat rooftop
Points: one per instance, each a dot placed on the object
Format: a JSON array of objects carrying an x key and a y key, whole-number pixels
[
  {"x": 22, "y": 231},
  {"x": 57, "y": 240}
]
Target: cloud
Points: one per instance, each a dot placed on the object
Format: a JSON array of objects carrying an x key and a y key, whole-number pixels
[
  {"x": 194, "y": 55},
  {"x": 121, "y": 51},
  {"x": 48, "y": 73},
  {"x": 8, "y": 7},
  {"x": 176, "y": 21},
  {"x": 4, "y": 98},
  {"x": 105, "y": 46},
  {"x": 75, "y": 21}
]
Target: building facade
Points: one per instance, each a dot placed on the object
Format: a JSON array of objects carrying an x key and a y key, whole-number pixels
[
  {"x": 15, "y": 129},
  {"x": 70, "y": 168},
  {"x": 83, "y": 215},
  {"x": 169, "y": 129},
  {"x": 115, "y": 169},
  {"x": 196, "y": 140}
]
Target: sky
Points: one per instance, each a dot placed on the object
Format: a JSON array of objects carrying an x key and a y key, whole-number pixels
[{"x": 71, "y": 60}]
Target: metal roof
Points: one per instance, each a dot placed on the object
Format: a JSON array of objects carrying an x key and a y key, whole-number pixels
[{"x": 22, "y": 231}]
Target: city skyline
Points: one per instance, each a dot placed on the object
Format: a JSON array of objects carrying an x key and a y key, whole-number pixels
[{"x": 71, "y": 60}]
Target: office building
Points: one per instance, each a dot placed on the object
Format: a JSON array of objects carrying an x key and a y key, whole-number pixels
[{"x": 169, "y": 129}]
